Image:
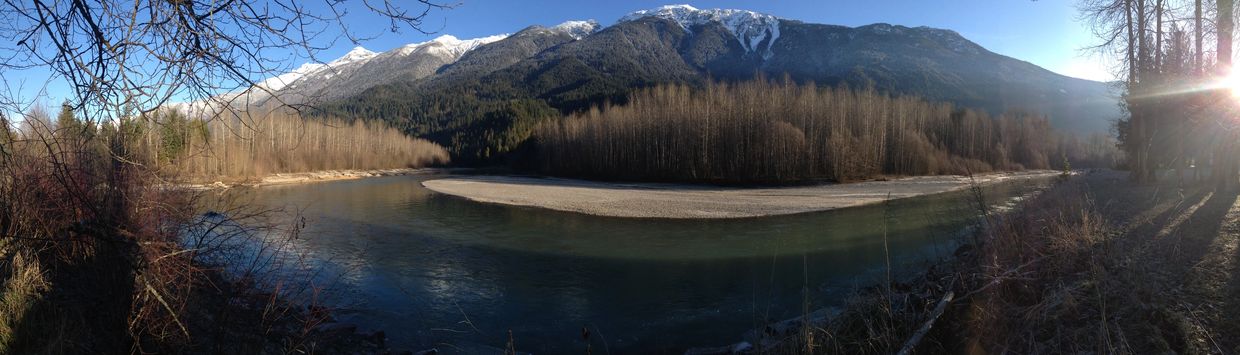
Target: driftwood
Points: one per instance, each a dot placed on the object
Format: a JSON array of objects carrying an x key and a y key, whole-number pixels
[{"x": 925, "y": 328}]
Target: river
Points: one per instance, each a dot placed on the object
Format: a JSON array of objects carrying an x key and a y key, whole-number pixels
[{"x": 436, "y": 271}]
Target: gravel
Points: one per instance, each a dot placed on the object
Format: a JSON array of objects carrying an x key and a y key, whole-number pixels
[{"x": 656, "y": 200}]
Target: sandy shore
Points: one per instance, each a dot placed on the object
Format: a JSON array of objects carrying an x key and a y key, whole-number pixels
[
  {"x": 693, "y": 201},
  {"x": 311, "y": 177},
  {"x": 330, "y": 175}
]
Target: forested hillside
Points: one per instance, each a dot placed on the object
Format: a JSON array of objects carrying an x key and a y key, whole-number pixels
[
  {"x": 483, "y": 105},
  {"x": 763, "y": 132},
  {"x": 474, "y": 117}
]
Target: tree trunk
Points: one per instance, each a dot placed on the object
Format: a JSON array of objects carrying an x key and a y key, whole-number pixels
[
  {"x": 1141, "y": 166},
  {"x": 1132, "y": 59},
  {"x": 1198, "y": 58},
  {"x": 1158, "y": 35},
  {"x": 1143, "y": 46},
  {"x": 1224, "y": 156}
]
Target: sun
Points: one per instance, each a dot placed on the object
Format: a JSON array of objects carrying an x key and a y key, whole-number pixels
[{"x": 1232, "y": 83}]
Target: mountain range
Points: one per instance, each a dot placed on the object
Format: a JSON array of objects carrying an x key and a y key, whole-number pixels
[{"x": 481, "y": 97}]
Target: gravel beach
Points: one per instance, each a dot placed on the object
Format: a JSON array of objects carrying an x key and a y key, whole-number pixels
[{"x": 656, "y": 200}]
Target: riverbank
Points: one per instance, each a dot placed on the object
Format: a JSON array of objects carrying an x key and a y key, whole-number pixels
[
  {"x": 308, "y": 177},
  {"x": 1096, "y": 264},
  {"x": 657, "y": 200}
]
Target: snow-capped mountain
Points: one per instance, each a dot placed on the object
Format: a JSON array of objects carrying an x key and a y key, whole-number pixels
[
  {"x": 447, "y": 45},
  {"x": 756, "y": 32},
  {"x": 358, "y": 54},
  {"x": 361, "y": 69},
  {"x": 354, "y": 58}
]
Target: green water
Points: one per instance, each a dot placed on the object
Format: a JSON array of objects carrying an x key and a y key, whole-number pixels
[{"x": 438, "y": 271}]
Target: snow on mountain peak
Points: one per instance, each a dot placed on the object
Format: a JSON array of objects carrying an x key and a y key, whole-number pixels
[
  {"x": 449, "y": 45},
  {"x": 680, "y": 7},
  {"x": 578, "y": 29},
  {"x": 356, "y": 54},
  {"x": 280, "y": 81},
  {"x": 446, "y": 40},
  {"x": 750, "y": 28}
]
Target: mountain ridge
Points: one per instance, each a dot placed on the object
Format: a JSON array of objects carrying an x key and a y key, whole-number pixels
[{"x": 482, "y": 100}]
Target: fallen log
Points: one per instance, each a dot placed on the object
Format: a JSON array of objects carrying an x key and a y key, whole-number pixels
[{"x": 925, "y": 328}]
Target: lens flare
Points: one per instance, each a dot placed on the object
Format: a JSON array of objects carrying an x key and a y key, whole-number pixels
[{"x": 1233, "y": 84}]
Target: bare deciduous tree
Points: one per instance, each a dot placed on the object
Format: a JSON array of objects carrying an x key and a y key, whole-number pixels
[
  {"x": 102, "y": 242},
  {"x": 1179, "y": 112},
  {"x": 778, "y": 132},
  {"x": 128, "y": 57}
]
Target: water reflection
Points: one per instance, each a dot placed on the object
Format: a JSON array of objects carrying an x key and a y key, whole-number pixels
[{"x": 418, "y": 264}]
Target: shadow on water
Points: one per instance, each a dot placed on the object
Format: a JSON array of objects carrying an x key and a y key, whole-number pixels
[{"x": 418, "y": 265}]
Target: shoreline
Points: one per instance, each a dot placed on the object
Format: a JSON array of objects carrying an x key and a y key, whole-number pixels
[
  {"x": 687, "y": 201},
  {"x": 311, "y": 177}
]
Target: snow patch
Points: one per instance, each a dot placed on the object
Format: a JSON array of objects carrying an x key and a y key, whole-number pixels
[
  {"x": 578, "y": 29},
  {"x": 280, "y": 81},
  {"x": 449, "y": 45},
  {"x": 357, "y": 54},
  {"x": 445, "y": 46},
  {"x": 750, "y": 28},
  {"x": 275, "y": 83}
]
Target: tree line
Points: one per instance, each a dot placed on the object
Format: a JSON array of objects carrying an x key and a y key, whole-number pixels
[
  {"x": 238, "y": 145},
  {"x": 766, "y": 131},
  {"x": 254, "y": 144}
]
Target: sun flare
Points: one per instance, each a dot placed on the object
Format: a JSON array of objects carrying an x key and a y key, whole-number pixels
[{"x": 1232, "y": 83}]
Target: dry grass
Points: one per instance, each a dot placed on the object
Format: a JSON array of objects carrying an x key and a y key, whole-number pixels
[
  {"x": 95, "y": 258},
  {"x": 1093, "y": 265},
  {"x": 1017, "y": 292},
  {"x": 1047, "y": 277},
  {"x": 24, "y": 284}
]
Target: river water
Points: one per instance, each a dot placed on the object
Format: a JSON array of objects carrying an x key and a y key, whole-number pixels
[{"x": 436, "y": 271}]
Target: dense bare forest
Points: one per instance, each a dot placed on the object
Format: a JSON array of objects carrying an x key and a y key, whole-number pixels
[
  {"x": 277, "y": 142},
  {"x": 250, "y": 144},
  {"x": 764, "y": 131}
]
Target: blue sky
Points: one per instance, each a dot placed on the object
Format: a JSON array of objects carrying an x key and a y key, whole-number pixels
[{"x": 1044, "y": 32}]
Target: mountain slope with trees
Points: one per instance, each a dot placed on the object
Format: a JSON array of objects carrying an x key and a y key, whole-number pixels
[{"x": 489, "y": 113}]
